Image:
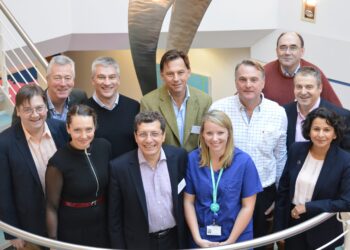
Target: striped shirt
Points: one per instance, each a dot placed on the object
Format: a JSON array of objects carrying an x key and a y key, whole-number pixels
[{"x": 263, "y": 136}]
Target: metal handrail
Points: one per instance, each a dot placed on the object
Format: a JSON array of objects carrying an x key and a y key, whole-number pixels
[
  {"x": 42, "y": 241},
  {"x": 23, "y": 34}
]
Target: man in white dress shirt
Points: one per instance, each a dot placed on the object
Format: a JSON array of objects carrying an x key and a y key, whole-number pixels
[{"x": 259, "y": 127}]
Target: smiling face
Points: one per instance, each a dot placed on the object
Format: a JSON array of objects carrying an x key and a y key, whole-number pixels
[
  {"x": 60, "y": 82},
  {"x": 33, "y": 114},
  {"x": 149, "y": 138},
  {"x": 106, "y": 82},
  {"x": 321, "y": 134},
  {"x": 307, "y": 91},
  {"x": 249, "y": 84},
  {"x": 175, "y": 75},
  {"x": 82, "y": 130},
  {"x": 289, "y": 51},
  {"x": 215, "y": 137}
]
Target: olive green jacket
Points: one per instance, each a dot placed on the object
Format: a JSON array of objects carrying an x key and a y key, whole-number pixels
[{"x": 197, "y": 105}]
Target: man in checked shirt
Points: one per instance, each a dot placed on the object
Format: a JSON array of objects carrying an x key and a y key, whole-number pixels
[{"x": 259, "y": 127}]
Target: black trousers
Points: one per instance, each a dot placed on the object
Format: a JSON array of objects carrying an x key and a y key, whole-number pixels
[
  {"x": 264, "y": 200},
  {"x": 168, "y": 241}
]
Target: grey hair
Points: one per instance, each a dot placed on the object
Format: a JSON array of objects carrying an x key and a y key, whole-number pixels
[
  {"x": 310, "y": 71},
  {"x": 60, "y": 60},
  {"x": 105, "y": 61}
]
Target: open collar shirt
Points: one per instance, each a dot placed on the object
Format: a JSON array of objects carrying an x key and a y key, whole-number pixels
[
  {"x": 287, "y": 74},
  {"x": 157, "y": 187},
  {"x": 41, "y": 151},
  {"x": 180, "y": 114},
  {"x": 102, "y": 105},
  {"x": 54, "y": 114},
  {"x": 300, "y": 119},
  {"x": 263, "y": 136}
]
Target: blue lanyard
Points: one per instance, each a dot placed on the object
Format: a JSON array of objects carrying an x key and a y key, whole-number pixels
[{"x": 214, "y": 206}]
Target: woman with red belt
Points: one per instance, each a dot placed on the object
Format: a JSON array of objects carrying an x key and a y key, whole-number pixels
[{"x": 76, "y": 182}]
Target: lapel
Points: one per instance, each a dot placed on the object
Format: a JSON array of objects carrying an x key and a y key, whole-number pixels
[
  {"x": 292, "y": 121},
  {"x": 137, "y": 180},
  {"x": 192, "y": 108},
  {"x": 58, "y": 137},
  {"x": 329, "y": 161},
  {"x": 173, "y": 175},
  {"x": 167, "y": 110},
  {"x": 47, "y": 104},
  {"x": 22, "y": 145},
  {"x": 300, "y": 156}
]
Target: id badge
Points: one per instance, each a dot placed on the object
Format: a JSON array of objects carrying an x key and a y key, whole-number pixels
[{"x": 214, "y": 230}]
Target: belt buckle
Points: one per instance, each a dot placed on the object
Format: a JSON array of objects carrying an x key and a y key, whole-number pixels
[
  {"x": 163, "y": 233},
  {"x": 93, "y": 203}
]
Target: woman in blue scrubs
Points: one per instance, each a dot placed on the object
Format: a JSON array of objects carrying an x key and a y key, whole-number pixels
[{"x": 221, "y": 186}]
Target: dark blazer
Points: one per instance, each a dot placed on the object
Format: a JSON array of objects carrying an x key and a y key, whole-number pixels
[
  {"x": 128, "y": 217},
  {"x": 22, "y": 197},
  {"x": 291, "y": 111},
  {"x": 77, "y": 96},
  {"x": 331, "y": 193}
]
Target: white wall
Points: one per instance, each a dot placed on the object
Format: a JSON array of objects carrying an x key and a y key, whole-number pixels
[{"x": 327, "y": 42}]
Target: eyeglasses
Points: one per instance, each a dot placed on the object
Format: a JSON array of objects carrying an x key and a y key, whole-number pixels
[
  {"x": 153, "y": 134},
  {"x": 102, "y": 78},
  {"x": 38, "y": 110},
  {"x": 58, "y": 78},
  {"x": 291, "y": 48}
]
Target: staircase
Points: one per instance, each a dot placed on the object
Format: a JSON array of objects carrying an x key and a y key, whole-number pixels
[{"x": 6, "y": 109}]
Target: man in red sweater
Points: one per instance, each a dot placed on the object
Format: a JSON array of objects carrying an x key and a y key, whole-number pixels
[{"x": 279, "y": 74}]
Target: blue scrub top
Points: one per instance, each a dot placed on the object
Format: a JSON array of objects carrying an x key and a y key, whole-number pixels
[{"x": 238, "y": 181}]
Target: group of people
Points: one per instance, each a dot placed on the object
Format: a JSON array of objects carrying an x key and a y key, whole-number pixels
[{"x": 176, "y": 170}]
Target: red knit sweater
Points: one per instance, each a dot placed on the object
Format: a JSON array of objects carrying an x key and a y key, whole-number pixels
[{"x": 280, "y": 88}]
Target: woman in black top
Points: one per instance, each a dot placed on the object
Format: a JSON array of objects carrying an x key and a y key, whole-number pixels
[{"x": 76, "y": 182}]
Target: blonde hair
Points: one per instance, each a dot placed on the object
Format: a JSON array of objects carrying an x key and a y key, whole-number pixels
[{"x": 221, "y": 119}]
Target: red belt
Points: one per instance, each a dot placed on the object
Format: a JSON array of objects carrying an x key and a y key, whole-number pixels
[{"x": 99, "y": 200}]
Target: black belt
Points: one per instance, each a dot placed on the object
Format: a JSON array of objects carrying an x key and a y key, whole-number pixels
[{"x": 161, "y": 234}]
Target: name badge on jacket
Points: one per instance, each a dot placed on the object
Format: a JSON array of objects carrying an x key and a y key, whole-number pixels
[{"x": 195, "y": 129}]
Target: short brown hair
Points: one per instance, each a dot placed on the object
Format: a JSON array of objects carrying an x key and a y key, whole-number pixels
[
  {"x": 174, "y": 54},
  {"x": 83, "y": 110},
  {"x": 310, "y": 71},
  {"x": 148, "y": 117},
  {"x": 253, "y": 63},
  {"x": 27, "y": 92}
]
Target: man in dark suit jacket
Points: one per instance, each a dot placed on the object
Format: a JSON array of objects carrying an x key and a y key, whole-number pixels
[
  {"x": 60, "y": 95},
  {"x": 146, "y": 191},
  {"x": 307, "y": 91},
  {"x": 23, "y": 163}
]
